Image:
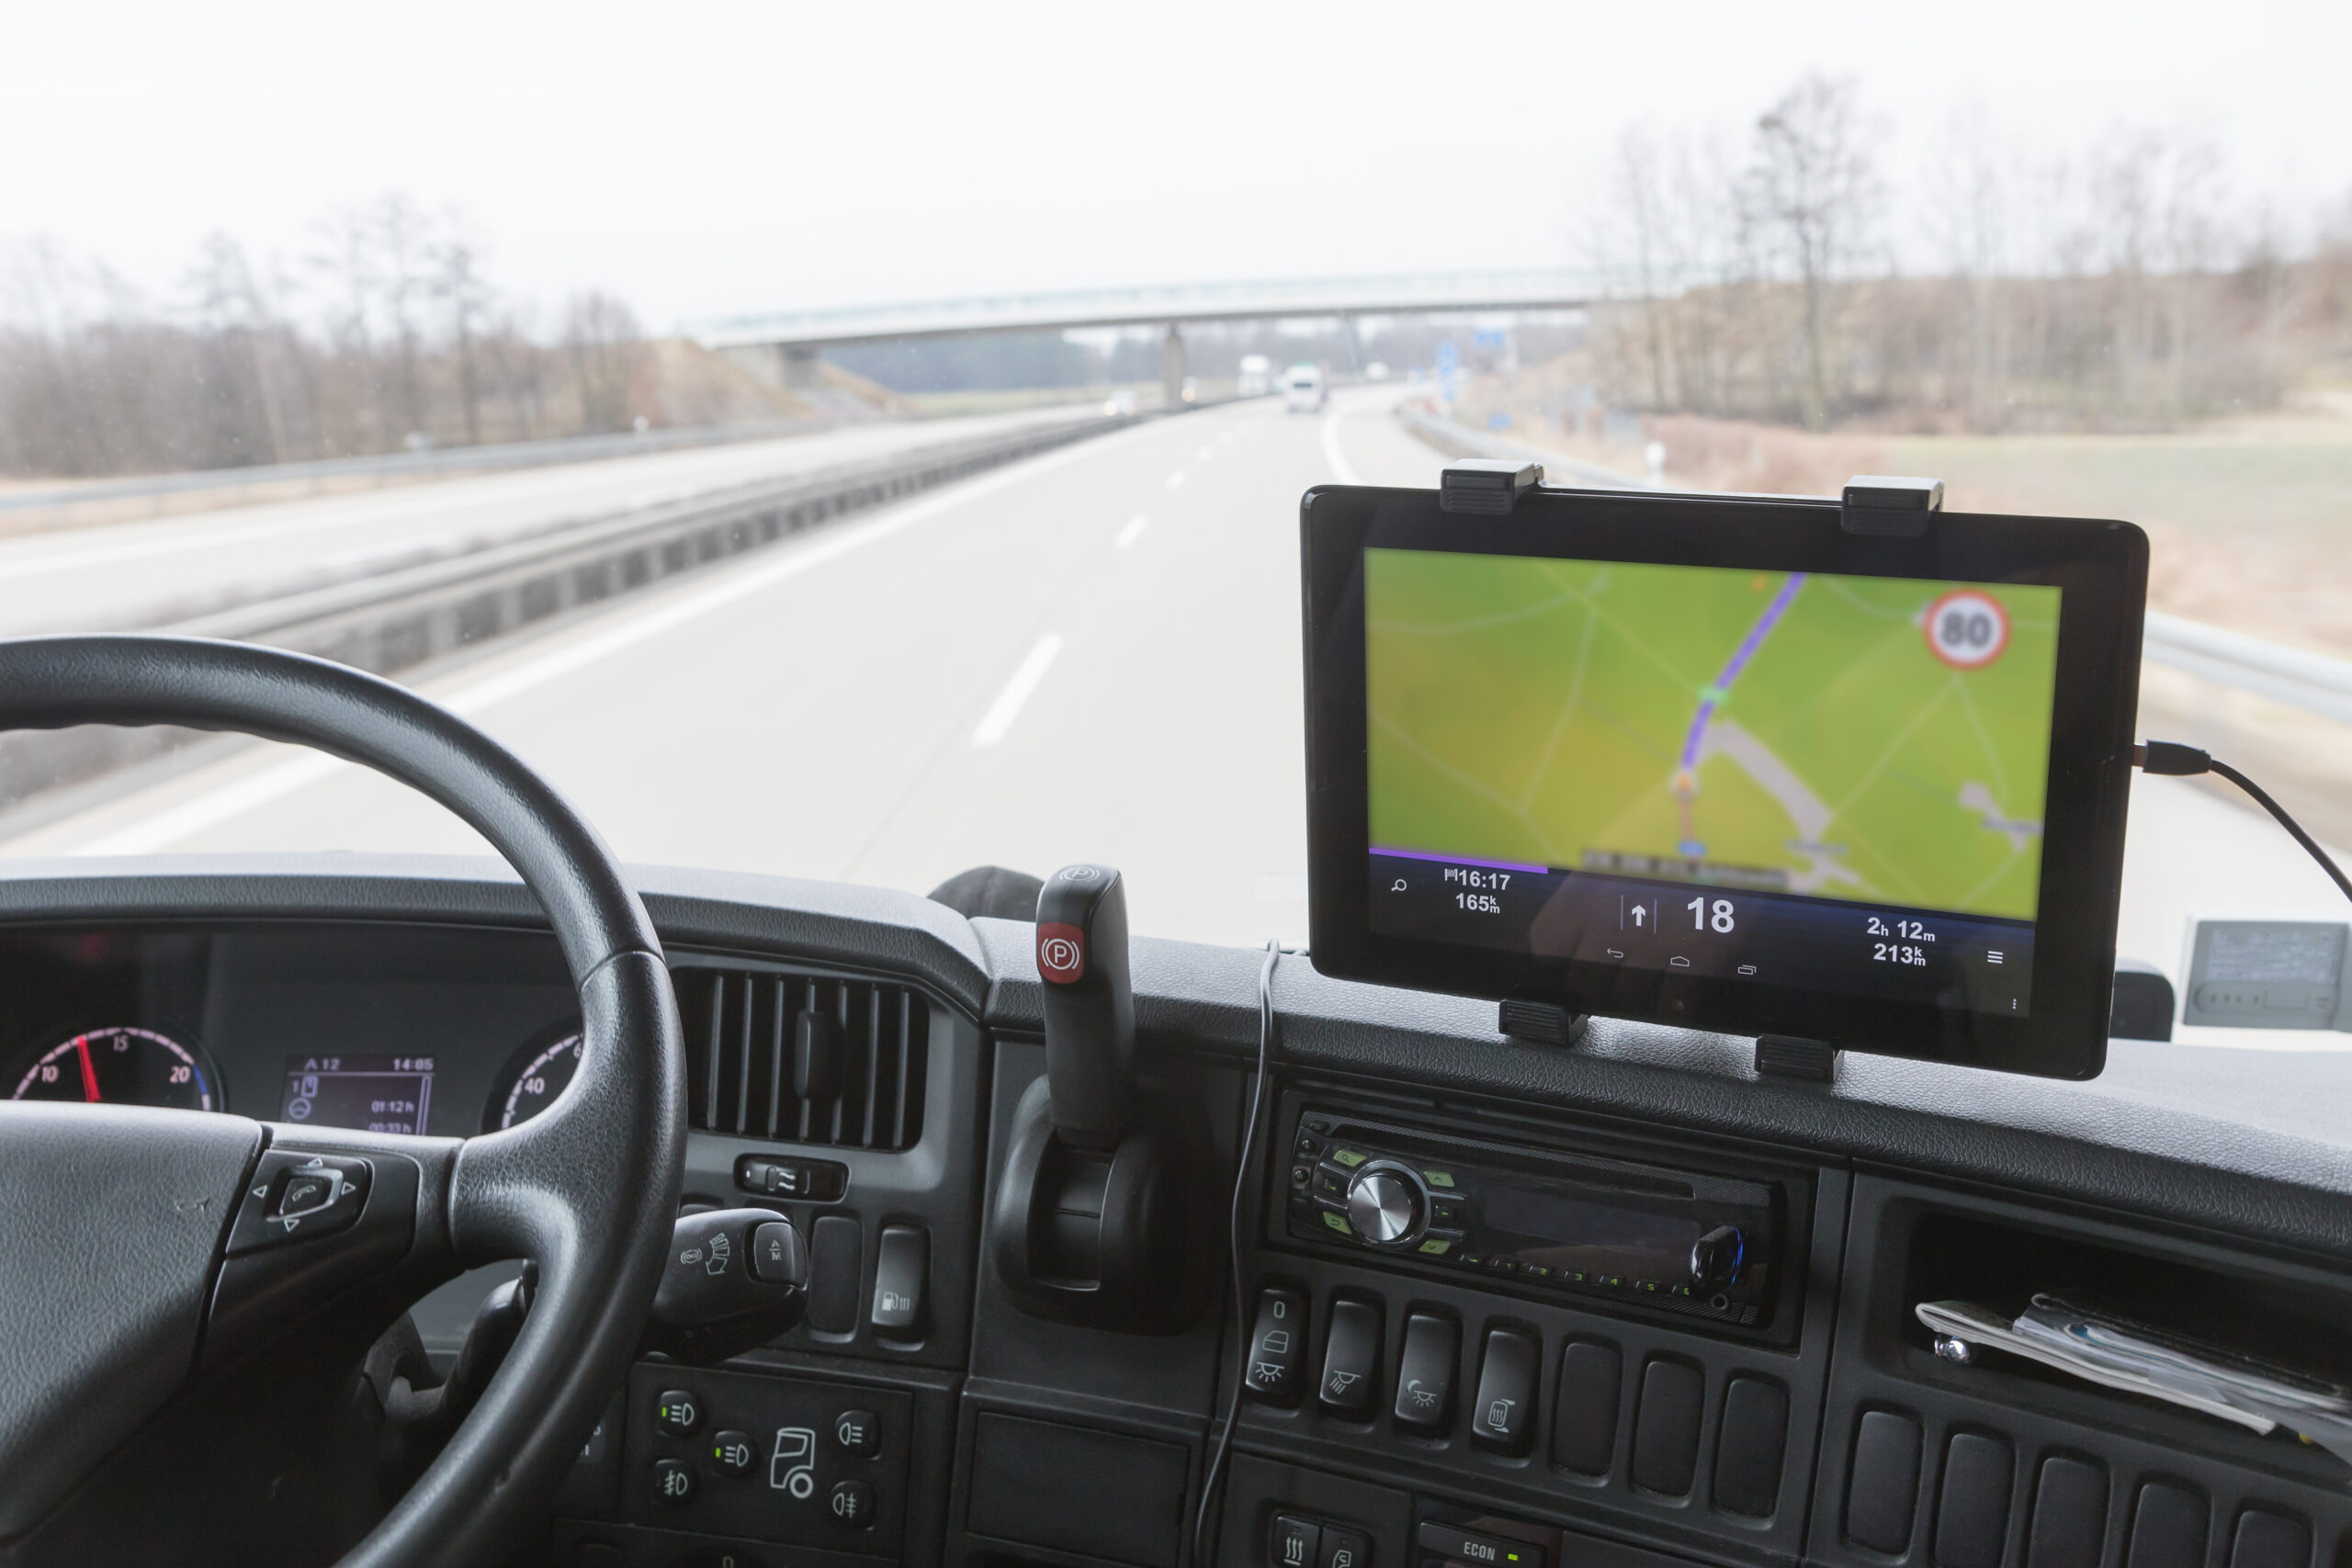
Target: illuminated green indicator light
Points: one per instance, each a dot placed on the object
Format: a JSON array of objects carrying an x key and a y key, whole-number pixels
[
  {"x": 1435, "y": 1248},
  {"x": 1338, "y": 1223},
  {"x": 1437, "y": 1178},
  {"x": 1349, "y": 1157}
]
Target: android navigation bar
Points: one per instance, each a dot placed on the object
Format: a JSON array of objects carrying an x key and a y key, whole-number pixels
[{"x": 1674, "y": 929}]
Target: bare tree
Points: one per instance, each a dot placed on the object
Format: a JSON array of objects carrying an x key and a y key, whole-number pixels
[
  {"x": 1813, "y": 201},
  {"x": 466, "y": 300}
]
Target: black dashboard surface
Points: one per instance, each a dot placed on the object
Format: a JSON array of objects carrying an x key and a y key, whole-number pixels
[{"x": 2188, "y": 1165}]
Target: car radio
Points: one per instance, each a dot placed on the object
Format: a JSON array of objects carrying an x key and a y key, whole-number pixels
[{"x": 1683, "y": 1241}]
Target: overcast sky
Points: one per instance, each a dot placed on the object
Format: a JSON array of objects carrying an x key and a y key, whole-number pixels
[{"x": 701, "y": 159}]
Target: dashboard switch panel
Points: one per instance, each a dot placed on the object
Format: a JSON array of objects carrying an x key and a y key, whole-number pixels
[
  {"x": 763, "y": 1459},
  {"x": 2168, "y": 1524},
  {"x": 1584, "y": 1415},
  {"x": 1750, "y": 1447},
  {"x": 901, "y": 1275},
  {"x": 1296, "y": 1542},
  {"x": 1666, "y": 1427},
  {"x": 1456, "y": 1544},
  {"x": 1277, "y": 1345},
  {"x": 1972, "y": 1513},
  {"x": 1504, "y": 1416},
  {"x": 2069, "y": 1515},
  {"x": 1884, "y": 1484},
  {"x": 1425, "y": 1372},
  {"x": 1350, "y": 1384}
]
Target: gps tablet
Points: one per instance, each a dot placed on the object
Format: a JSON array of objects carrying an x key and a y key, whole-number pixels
[{"x": 1720, "y": 762}]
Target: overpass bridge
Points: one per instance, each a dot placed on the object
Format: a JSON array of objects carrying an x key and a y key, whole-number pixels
[{"x": 785, "y": 345}]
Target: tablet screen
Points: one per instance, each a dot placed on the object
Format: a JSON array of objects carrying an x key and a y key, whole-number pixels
[{"x": 1798, "y": 779}]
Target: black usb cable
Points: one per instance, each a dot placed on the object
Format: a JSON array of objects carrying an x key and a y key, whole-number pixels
[{"x": 2172, "y": 760}]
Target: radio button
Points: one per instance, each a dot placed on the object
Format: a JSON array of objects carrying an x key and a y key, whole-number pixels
[
  {"x": 1331, "y": 1183},
  {"x": 1385, "y": 1206},
  {"x": 1716, "y": 1258},
  {"x": 1339, "y": 1222},
  {"x": 1446, "y": 1213},
  {"x": 1437, "y": 1245},
  {"x": 1351, "y": 1383},
  {"x": 1438, "y": 1179},
  {"x": 1425, "y": 1372},
  {"x": 1348, "y": 1158}
]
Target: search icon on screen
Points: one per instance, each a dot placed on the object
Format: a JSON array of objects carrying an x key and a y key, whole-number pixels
[{"x": 1399, "y": 886}]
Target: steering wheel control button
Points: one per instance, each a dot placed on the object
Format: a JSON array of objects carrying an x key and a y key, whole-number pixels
[
  {"x": 1277, "y": 1345},
  {"x": 1385, "y": 1205},
  {"x": 1350, "y": 1382},
  {"x": 1503, "y": 1418},
  {"x": 858, "y": 1433},
  {"x": 852, "y": 1503},
  {"x": 900, "y": 1274},
  {"x": 1425, "y": 1372},
  {"x": 732, "y": 1453},
  {"x": 777, "y": 1255},
  {"x": 295, "y": 1196},
  {"x": 673, "y": 1482},
  {"x": 1296, "y": 1543},
  {"x": 1458, "y": 1545},
  {"x": 679, "y": 1414}
]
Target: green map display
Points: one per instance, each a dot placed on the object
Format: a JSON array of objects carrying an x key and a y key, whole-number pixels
[{"x": 1865, "y": 738}]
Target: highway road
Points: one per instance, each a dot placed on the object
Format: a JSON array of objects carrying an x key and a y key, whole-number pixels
[
  {"x": 1090, "y": 655},
  {"x": 137, "y": 574}
]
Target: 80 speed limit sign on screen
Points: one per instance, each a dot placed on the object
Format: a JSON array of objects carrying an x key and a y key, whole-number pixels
[{"x": 1967, "y": 628}]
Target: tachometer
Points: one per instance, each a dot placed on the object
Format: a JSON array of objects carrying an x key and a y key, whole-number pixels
[
  {"x": 533, "y": 1079},
  {"x": 123, "y": 1066}
]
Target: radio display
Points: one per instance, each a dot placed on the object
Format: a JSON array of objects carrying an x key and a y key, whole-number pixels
[
  {"x": 1791, "y": 778},
  {"x": 374, "y": 1093},
  {"x": 1569, "y": 1234}
]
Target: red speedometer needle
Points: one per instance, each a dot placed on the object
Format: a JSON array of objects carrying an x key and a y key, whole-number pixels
[{"x": 89, "y": 1073}]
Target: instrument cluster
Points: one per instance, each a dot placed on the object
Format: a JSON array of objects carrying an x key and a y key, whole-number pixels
[{"x": 393, "y": 1029}]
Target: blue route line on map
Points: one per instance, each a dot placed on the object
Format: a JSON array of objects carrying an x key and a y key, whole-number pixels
[{"x": 1756, "y": 635}]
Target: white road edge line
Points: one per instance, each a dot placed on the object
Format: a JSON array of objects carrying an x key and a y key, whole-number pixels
[
  {"x": 1015, "y": 696},
  {"x": 1333, "y": 459},
  {"x": 1132, "y": 531},
  {"x": 232, "y": 800}
]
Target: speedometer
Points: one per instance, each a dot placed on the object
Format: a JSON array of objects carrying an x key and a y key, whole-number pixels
[
  {"x": 122, "y": 1065},
  {"x": 535, "y": 1076}
]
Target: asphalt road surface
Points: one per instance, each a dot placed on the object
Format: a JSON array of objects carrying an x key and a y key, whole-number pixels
[
  {"x": 1091, "y": 655},
  {"x": 135, "y": 574}
]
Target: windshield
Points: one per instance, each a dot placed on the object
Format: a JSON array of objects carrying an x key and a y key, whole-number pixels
[{"x": 855, "y": 447}]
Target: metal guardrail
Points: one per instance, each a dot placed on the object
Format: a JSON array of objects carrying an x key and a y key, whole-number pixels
[
  {"x": 440, "y": 461},
  {"x": 2314, "y": 682},
  {"x": 403, "y": 616}
]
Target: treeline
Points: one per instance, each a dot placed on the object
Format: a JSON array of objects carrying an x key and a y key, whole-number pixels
[
  {"x": 388, "y": 335},
  {"x": 2120, "y": 290}
]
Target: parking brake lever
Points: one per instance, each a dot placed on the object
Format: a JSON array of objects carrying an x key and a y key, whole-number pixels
[
  {"x": 1089, "y": 1003},
  {"x": 734, "y": 1278}
]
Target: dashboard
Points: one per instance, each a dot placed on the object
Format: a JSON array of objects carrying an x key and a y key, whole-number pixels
[{"x": 1469, "y": 1335}]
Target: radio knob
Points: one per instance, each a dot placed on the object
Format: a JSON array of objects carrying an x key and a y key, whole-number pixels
[
  {"x": 1385, "y": 1206},
  {"x": 1716, "y": 1258}
]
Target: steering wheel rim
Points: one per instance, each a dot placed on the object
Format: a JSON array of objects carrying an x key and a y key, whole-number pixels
[{"x": 588, "y": 1189}]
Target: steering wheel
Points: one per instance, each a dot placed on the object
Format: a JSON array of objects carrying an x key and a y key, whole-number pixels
[{"x": 158, "y": 1268}]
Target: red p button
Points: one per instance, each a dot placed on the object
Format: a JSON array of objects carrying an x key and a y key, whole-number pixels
[{"x": 1061, "y": 952}]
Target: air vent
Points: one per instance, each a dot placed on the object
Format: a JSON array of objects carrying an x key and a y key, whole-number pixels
[{"x": 803, "y": 1059}]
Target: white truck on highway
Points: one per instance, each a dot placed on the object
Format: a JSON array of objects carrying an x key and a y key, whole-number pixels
[
  {"x": 1304, "y": 389},
  {"x": 1257, "y": 378}
]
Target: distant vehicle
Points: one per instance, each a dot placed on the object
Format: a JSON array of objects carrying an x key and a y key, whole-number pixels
[
  {"x": 1192, "y": 391},
  {"x": 1257, "y": 377},
  {"x": 1119, "y": 404},
  {"x": 1304, "y": 390},
  {"x": 1376, "y": 371}
]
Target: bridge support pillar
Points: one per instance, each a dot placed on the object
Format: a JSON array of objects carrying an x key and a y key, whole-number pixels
[
  {"x": 1173, "y": 369},
  {"x": 804, "y": 369}
]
